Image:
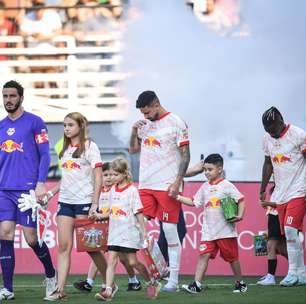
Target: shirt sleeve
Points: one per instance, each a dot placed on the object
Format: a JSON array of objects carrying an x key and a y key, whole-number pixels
[
  {"x": 233, "y": 192},
  {"x": 136, "y": 202},
  {"x": 94, "y": 156},
  {"x": 42, "y": 142},
  {"x": 182, "y": 136},
  {"x": 302, "y": 141},
  {"x": 199, "y": 197}
]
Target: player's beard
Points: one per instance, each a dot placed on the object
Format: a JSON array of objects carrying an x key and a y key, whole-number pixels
[{"x": 13, "y": 110}]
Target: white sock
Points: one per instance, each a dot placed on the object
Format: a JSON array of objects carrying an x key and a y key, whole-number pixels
[
  {"x": 90, "y": 281},
  {"x": 301, "y": 271},
  {"x": 174, "y": 251},
  {"x": 133, "y": 280},
  {"x": 198, "y": 284},
  {"x": 293, "y": 248}
]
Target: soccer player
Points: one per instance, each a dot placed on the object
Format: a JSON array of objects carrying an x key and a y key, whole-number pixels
[
  {"x": 284, "y": 146},
  {"x": 24, "y": 163},
  {"x": 127, "y": 230},
  {"x": 217, "y": 233},
  {"x": 163, "y": 143},
  {"x": 79, "y": 191}
]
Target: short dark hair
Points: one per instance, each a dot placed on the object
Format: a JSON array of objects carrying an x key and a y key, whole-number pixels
[
  {"x": 215, "y": 159},
  {"x": 16, "y": 85},
  {"x": 271, "y": 116},
  {"x": 146, "y": 98},
  {"x": 106, "y": 166}
]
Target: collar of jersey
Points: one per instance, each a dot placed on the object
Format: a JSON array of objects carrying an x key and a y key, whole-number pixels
[
  {"x": 284, "y": 131},
  {"x": 117, "y": 189},
  {"x": 164, "y": 115},
  {"x": 217, "y": 181}
]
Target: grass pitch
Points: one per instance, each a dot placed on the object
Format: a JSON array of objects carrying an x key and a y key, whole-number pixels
[{"x": 29, "y": 290}]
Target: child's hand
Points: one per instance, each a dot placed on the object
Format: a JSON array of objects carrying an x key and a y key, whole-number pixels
[{"x": 266, "y": 204}]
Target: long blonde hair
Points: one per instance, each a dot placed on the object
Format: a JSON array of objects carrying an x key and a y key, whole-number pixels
[
  {"x": 121, "y": 165},
  {"x": 82, "y": 122}
]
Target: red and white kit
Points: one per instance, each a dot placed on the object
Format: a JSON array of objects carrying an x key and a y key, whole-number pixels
[{"x": 77, "y": 183}]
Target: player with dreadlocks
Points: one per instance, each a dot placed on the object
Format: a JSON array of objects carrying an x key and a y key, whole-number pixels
[{"x": 284, "y": 146}]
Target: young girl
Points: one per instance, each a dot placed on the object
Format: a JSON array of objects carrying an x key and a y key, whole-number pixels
[
  {"x": 126, "y": 229},
  {"x": 79, "y": 192},
  {"x": 86, "y": 285}
]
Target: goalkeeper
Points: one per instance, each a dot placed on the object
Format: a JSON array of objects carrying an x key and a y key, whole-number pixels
[{"x": 218, "y": 234}]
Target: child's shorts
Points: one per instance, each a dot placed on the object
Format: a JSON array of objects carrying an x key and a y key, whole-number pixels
[
  {"x": 228, "y": 249},
  {"x": 121, "y": 249}
]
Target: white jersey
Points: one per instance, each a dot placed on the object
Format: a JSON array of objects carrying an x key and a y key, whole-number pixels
[
  {"x": 289, "y": 165},
  {"x": 209, "y": 195},
  {"x": 77, "y": 183},
  {"x": 124, "y": 229},
  {"x": 104, "y": 200},
  {"x": 160, "y": 157}
]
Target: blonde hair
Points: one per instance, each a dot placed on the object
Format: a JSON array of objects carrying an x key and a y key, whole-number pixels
[
  {"x": 83, "y": 135},
  {"x": 121, "y": 165}
]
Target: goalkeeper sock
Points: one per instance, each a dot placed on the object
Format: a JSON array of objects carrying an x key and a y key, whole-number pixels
[
  {"x": 7, "y": 257},
  {"x": 44, "y": 256}
]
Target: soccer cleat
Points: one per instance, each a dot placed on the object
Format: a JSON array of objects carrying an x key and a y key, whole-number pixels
[
  {"x": 301, "y": 280},
  {"x": 5, "y": 294},
  {"x": 289, "y": 280},
  {"x": 134, "y": 286},
  {"x": 240, "y": 286},
  {"x": 153, "y": 289},
  {"x": 267, "y": 280},
  {"x": 170, "y": 287},
  {"x": 51, "y": 285},
  {"x": 83, "y": 286},
  {"x": 192, "y": 288}
]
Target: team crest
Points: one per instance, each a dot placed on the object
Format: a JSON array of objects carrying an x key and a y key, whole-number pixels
[{"x": 10, "y": 131}]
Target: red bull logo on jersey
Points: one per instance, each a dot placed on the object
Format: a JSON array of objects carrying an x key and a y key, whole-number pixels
[
  {"x": 151, "y": 141},
  {"x": 280, "y": 158},
  {"x": 117, "y": 212},
  {"x": 70, "y": 165},
  {"x": 213, "y": 203},
  {"x": 10, "y": 146}
]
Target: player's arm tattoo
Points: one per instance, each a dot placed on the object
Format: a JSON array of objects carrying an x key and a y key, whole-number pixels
[
  {"x": 185, "y": 159},
  {"x": 267, "y": 171}
]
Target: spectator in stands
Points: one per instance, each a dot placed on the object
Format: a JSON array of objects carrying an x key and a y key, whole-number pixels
[
  {"x": 6, "y": 28},
  {"x": 39, "y": 29}
]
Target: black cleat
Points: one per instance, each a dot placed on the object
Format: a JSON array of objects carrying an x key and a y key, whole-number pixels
[
  {"x": 192, "y": 288},
  {"x": 240, "y": 286},
  {"x": 83, "y": 286}
]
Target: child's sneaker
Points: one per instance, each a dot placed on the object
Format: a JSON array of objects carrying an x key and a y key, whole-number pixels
[
  {"x": 153, "y": 289},
  {"x": 289, "y": 280},
  {"x": 301, "y": 280},
  {"x": 240, "y": 286},
  {"x": 267, "y": 280},
  {"x": 134, "y": 286},
  {"x": 5, "y": 294},
  {"x": 83, "y": 286},
  {"x": 192, "y": 288}
]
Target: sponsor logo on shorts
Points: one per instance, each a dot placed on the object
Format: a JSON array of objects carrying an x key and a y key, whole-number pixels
[
  {"x": 165, "y": 216},
  {"x": 86, "y": 208},
  {"x": 203, "y": 247}
]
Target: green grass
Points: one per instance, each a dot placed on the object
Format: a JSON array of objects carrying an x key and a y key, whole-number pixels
[{"x": 28, "y": 290}]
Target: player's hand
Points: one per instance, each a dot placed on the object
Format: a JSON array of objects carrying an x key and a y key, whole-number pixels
[
  {"x": 92, "y": 214},
  {"x": 27, "y": 201},
  {"x": 40, "y": 192},
  {"x": 139, "y": 124},
  {"x": 264, "y": 204},
  {"x": 173, "y": 190}
]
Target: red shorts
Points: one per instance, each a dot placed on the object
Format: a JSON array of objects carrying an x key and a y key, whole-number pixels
[
  {"x": 292, "y": 213},
  {"x": 228, "y": 249},
  {"x": 159, "y": 204}
]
